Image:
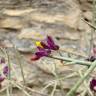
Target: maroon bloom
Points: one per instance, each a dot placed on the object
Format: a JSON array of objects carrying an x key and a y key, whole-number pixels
[
  {"x": 44, "y": 48},
  {"x": 50, "y": 44},
  {"x": 93, "y": 85},
  {"x": 5, "y": 70},
  {"x": 40, "y": 53},
  {"x": 91, "y": 58},
  {"x": 35, "y": 57},
  {"x": 3, "y": 74},
  {"x": 44, "y": 45}
]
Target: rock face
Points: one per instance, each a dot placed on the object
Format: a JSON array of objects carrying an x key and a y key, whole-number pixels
[
  {"x": 21, "y": 21},
  {"x": 59, "y": 11},
  {"x": 58, "y": 17},
  {"x": 44, "y": 13}
]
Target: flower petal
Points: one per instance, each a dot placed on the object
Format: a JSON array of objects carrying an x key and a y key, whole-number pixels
[
  {"x": 45, "y": 45},
  {"x": 35, "y": 57},
  {"x": 55, "y": 47},
  {"x": 40, "y": 49},
  {"x": 50, "y": 40},
  {"x": 51, "y": 43},
  {"x": 43, "y": 52},
  {"x": 93, "y": 84},
  {"x": 5, "y": 70},
  {"x": 91, "y": 58}
]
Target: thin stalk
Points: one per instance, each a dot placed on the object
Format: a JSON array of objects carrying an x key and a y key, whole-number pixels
[
  {"x": 85, "y": 84},
  {"x": 9, "y": 88},
  {"x": 57, "y": 77},
  {"x": 79, "y": 62},
  {"x": 80, "y": 81},
  {"x": 19, "y": 62},
  {"x": 47, "y": 86},
  {"x": 7, "y": 92},
  {"x": 22, "y": 89},
  {"x": 83, "y": 93},
  {"x": 34, "y": 91},
  {"x": 63, "y": 78},
  {"x": 21, "y": 67},
  {"x": 60, "y": 78},
  {"x": 94, "y": 24},
  {"x": 3, "y": 89},
  {"x": 28, "y": 88},
  {"x": 54, "y": 89}
]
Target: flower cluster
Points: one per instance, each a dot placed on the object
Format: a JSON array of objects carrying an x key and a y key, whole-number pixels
[
  {"x": 3, "y": 70},
  {"x": 44, "y": 48},
  {"x": 92, "y": 57},
  {"x": 93, "y": 84}
]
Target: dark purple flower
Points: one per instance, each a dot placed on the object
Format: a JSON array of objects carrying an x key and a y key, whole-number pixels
[
  {"x": 91, "y": 58},
  {"x": 5, "y": 70},
  {"x": 44, "y": 48},
  {"x": 35, "y": 57},
  {"x": 40, "y": 53},
  {"x": 44, "y": 45},
  {"x": 93, "y": 85},
  {"x": 50, "y": 44}
]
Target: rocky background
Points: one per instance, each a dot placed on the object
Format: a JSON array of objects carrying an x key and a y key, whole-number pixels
[{"x": 22, "y": 21}]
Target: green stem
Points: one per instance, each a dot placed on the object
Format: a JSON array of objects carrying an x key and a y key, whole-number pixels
[
  {"x": 9, "y": 73},
  {"x": 85, "y": 84},
  {"x": 19, "y": 62},
  {"x": 76, "y": 86},
  {"x": 21, "y": 67},
  {"x": 79, "y": 62},
  {"x": 57, "y": 77}
]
